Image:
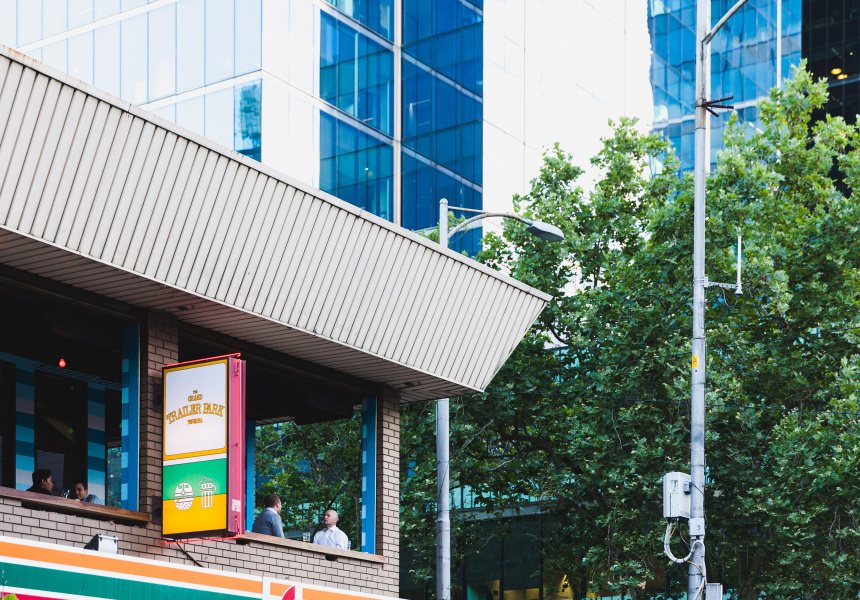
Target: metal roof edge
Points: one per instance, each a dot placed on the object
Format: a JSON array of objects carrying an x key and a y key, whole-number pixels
[
  {"x": 245, "y": 311},
  {"x": 135, "y": 110}
]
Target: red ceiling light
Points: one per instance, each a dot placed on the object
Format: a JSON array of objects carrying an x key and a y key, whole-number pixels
[{"x": 62, "y": 362}]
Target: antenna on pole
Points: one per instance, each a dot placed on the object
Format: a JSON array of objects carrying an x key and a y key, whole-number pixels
[{"x": 739, "y": 291}]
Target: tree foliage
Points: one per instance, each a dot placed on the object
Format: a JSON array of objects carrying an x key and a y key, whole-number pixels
[
  {"x": 312, "y": 468},
  {"x": 587, "y": 431}
]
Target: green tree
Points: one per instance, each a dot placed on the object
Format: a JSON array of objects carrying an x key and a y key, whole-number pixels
[
  {"x": 312, "y": 468},
  {"x": 588, "y": 430}
]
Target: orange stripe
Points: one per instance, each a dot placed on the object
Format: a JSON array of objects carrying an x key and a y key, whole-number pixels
[
  {"x": 278, "y": 589},
  {"x": 115, "y": 566},
  {"x": 310, "y": 594}
]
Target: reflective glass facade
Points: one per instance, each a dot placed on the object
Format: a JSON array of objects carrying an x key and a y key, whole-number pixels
[
  {"x": 151, "y": 55},
  {"x": 442, "y": 153},
  {"x": 743, "y": 63},
  {"x": 356, "y": 167},
  {"x": 831, "y": 42},
  {"x": 324, "y": 104},
  {"x": 376, "y": 15},
  {"x": 356, "y": 74}
]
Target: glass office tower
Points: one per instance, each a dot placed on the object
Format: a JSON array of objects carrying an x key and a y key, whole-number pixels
[
  {"x": 743, "y": 63},
  {"x": 377, "y": 102},
  {"x": 831, "y": 43}
]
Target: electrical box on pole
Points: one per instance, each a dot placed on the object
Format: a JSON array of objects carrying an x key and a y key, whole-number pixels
[{"x": 676, "y": 496}]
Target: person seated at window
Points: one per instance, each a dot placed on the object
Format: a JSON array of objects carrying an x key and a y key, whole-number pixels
[
  {"x": 269, "y": 521},
  {"x": 331, "y": 535},
  {"x": 43, "y": 483},
  {"x": 81, "y": 493}
]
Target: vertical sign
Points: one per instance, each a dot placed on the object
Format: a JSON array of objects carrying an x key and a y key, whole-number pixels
[{"x": 204, "y": 447}]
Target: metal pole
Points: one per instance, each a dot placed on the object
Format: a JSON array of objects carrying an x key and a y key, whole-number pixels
[
  {"x": 697, "y": 416},
  {"x": 443, "y": 494}
]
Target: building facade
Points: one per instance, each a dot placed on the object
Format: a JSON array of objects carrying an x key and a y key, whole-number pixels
[
  {"x": 378, "y": 102},
  {"x": 128, "y": 244},
  {"x": 747, "y": 61},
  {"x": 831, "y": 44}
]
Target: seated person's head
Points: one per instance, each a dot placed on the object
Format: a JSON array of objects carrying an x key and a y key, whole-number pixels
[
  {"x": 80, "y": 490},
  {"x": 272, "y": 501},
  {"x": 42, "y": 478},
  {"x": 330, "y": 518}
]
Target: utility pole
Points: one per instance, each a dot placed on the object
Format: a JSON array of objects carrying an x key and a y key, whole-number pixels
[
  {"x": 696, "y": 574},
  {"x": 704, "y": 107}
]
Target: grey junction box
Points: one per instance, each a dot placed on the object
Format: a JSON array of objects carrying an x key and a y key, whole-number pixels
[{"x": 676, "y": 496}]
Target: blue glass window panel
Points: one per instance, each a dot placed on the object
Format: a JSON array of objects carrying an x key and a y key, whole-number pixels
[
  {"x": 189, "y": 45},
  {"x": 29, "y": 21},
  {"x": 162, "y": 52},
  {"x": 55, "y": 17},
  {"x": 126, "y": 4},
  {"x": 249, "y": 36},
  {"x": 423, "y": 186},
  {"x": 377, "y": 15},
  {"x": 441, "y": 122},
  {"x": 105, "y": 8},
  {"x": 81, "y": 57},
  {"x": 356, "y": 167},
  {"x": 80, "y": 12},
  {"x": 356, "y": 74},
  {"x": 106, "y": 59},
  {"x": 190, "y": 114},
  {"x": 219, "y": 40},
  {"x": 247, "y": 129},
  {"x": 9, "y": 23},
  {"x": 218, "y": 107},
  {"x": 133, "y": 59},
  {"x": 56, "y": 55},
  {"x": 446, "y": 35}
]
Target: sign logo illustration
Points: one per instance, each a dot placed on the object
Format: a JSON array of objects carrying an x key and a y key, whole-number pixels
[
  {"x": 183, "y": 497},
  {"x": 207, "y": 498}
]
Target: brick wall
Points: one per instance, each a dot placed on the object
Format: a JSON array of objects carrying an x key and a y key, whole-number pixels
[
  {"x": 159, "y": 347},
  {"x": 388, "y": 481}
]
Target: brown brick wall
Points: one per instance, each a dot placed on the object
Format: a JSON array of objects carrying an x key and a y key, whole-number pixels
[
  {"x": 388, "y": 475},
  {"x": 159, "y": 347}
]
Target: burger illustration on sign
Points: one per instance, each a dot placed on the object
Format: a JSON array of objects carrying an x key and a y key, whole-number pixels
[{"x": 184, "y": 496}]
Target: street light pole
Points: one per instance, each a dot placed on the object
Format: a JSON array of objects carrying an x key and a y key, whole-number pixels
[
  {"x": 546, "y": 232},
  {"x": 443, "y": 483}
]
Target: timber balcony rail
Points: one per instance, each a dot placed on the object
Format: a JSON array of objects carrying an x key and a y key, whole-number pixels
[{"x": 75, "y": 507}]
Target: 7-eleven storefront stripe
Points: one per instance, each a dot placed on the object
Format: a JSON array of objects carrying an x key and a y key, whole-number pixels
[{"x": 39, "y": 571}]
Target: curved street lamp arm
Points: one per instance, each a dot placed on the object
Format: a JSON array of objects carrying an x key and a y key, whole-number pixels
[
  {"x": 462, "y": 226},
  {"x": 722, "y": 22}
]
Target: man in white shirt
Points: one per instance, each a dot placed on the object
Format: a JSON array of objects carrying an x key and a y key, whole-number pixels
[{"x": 331, "y": 535}]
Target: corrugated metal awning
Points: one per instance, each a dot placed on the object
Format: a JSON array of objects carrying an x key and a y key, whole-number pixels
[{"x": 101, "y": 195}]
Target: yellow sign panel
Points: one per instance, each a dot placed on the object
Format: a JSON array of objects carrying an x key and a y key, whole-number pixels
[
  {"x": 695, "y": 361},
  {"x": 195, "y": 518}
]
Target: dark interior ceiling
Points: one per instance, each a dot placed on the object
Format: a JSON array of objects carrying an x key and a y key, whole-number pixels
[{"x": 277, "y": 391}]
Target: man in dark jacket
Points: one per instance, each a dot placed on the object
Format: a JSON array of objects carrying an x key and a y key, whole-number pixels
[
  {"x": 269, "y": 522},
  {"x": 43, "y": 483}
]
